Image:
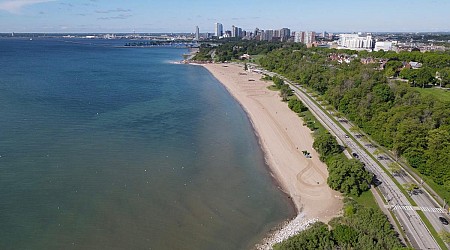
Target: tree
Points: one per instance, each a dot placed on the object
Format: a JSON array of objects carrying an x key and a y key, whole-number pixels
[
  {"x": 395, "y": 168},
  {"x": 296, "y": 105},
  {"x": 444, "y": 77},
  {"x": 409, "y": 187},
  {"x": 409, "y": 74},
  {"x": 326, "y": 145},
  {"x": 425, "y": 76},
  {"x": 345, "y": 236},
  {"x": 392, "y": 68},
  {"x": 278, "y": 82},
  {"x": 348, "y": 176}
]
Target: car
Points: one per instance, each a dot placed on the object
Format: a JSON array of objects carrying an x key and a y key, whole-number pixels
[
  {"x": 346, "y": 136},
  {"x": 443, "y": 220},
  {"x": 355, "y": 155}
]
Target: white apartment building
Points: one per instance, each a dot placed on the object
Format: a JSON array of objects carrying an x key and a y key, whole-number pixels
[
  {"x": 386, "y": 46},
  {"x": 307, "y": 37},
  {"x": 355, "y": 42}
]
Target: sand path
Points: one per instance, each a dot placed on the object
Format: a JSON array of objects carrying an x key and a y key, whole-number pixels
[{"x": 283, "y": 138}]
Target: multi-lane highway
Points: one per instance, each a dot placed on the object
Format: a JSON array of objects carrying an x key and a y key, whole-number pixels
[
  {"x": 420, "y": 196},
  {"x": 413, "y": 226}
]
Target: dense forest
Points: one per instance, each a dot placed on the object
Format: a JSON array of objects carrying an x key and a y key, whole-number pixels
[{"x": 395, "y": 114}]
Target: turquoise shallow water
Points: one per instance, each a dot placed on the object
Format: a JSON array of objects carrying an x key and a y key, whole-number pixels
[{"x": 115, "y": 148}]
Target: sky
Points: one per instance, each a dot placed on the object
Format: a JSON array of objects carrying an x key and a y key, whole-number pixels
[{"x": 152, "y": 16}]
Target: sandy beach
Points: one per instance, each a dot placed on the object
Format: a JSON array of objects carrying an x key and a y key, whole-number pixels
[{"x": 283, "y": 138}]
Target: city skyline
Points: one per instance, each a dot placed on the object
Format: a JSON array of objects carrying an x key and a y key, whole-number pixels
[{"x": 142, "y": 16}]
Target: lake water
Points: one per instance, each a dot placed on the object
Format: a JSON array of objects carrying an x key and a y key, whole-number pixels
[{"x": 118, "y": 148}]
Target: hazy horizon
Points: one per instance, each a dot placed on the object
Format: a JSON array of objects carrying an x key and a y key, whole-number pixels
[{"x": 176, "y": 16}]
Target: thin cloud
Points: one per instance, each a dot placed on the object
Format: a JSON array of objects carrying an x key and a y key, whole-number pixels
[
  {"x": 112, "y": 11},
  {"x": 14, "y": 6},
  {"x": 121, "y": 16}
]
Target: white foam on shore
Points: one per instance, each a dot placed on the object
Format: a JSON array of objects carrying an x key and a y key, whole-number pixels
[{"x": 287, "y": 230}]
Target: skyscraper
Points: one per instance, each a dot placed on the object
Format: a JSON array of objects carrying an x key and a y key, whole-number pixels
[
  {"x": 234, "y": 31},
  {"x": 218, "y": 31},
  {"x": 197, "y": 33}
]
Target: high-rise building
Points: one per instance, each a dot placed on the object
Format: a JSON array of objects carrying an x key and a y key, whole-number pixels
[
  {"x": 276, "y": 33},
  {"x": 197, "y": 33},
  {"x": 235, "y": 31},
  {"x": 307, "y": 37},
  {"x": 285, "y": 34},
  {"x": 218, "y": 31},
  {"x": 299, "y": 37},
  {"x": 355, "y": 42},
  {"x": 268, "y": 35},
  {"x": 310, "y": 37}
]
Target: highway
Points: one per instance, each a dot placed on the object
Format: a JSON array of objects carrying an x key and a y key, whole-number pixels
[{"x": 416, "y": 231}]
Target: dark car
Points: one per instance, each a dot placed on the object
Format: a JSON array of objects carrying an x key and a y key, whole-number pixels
[
  {"x": 443, "y": 220},
  {"x": 355, "y": 155}
]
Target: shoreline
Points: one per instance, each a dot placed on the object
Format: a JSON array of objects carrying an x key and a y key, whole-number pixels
[{"x": 282, "y": 136}]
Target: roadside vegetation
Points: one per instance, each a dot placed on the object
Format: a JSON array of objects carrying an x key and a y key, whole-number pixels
[
  {"x": 414, "y": 126},
  {"x": 363, "y": 225}
]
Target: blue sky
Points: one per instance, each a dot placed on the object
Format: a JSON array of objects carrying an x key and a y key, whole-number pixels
[{"x": 184, "y": 15}]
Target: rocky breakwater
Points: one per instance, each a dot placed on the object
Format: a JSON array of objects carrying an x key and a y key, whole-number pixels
[{"x": 287, "y": 230}]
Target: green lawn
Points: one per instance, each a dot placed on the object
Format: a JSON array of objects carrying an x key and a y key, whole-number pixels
[
  {"x": 439, "y": 94},
  {"x": 366, "y": 199}
]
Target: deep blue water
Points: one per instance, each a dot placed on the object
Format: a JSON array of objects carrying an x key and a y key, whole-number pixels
[{"x": 117, "y": 148}]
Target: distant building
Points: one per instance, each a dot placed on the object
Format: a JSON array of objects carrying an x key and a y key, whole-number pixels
[
  {"x": 267, "y": 35},
  {"x": 197, "y": 33},
  {"x": 276, "y": 33},
  {"x": 355, "y": 42},
  {"x": 308, "y": 37},
  {"x": 386, "y": 46},
  {"x": 299, "y": 37},
  {"x": 235, "y": 31},
  {"x": 285, "y": 34},
  {"x": 415, "y": 65},
  {"x": 218, "y": 31}
]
